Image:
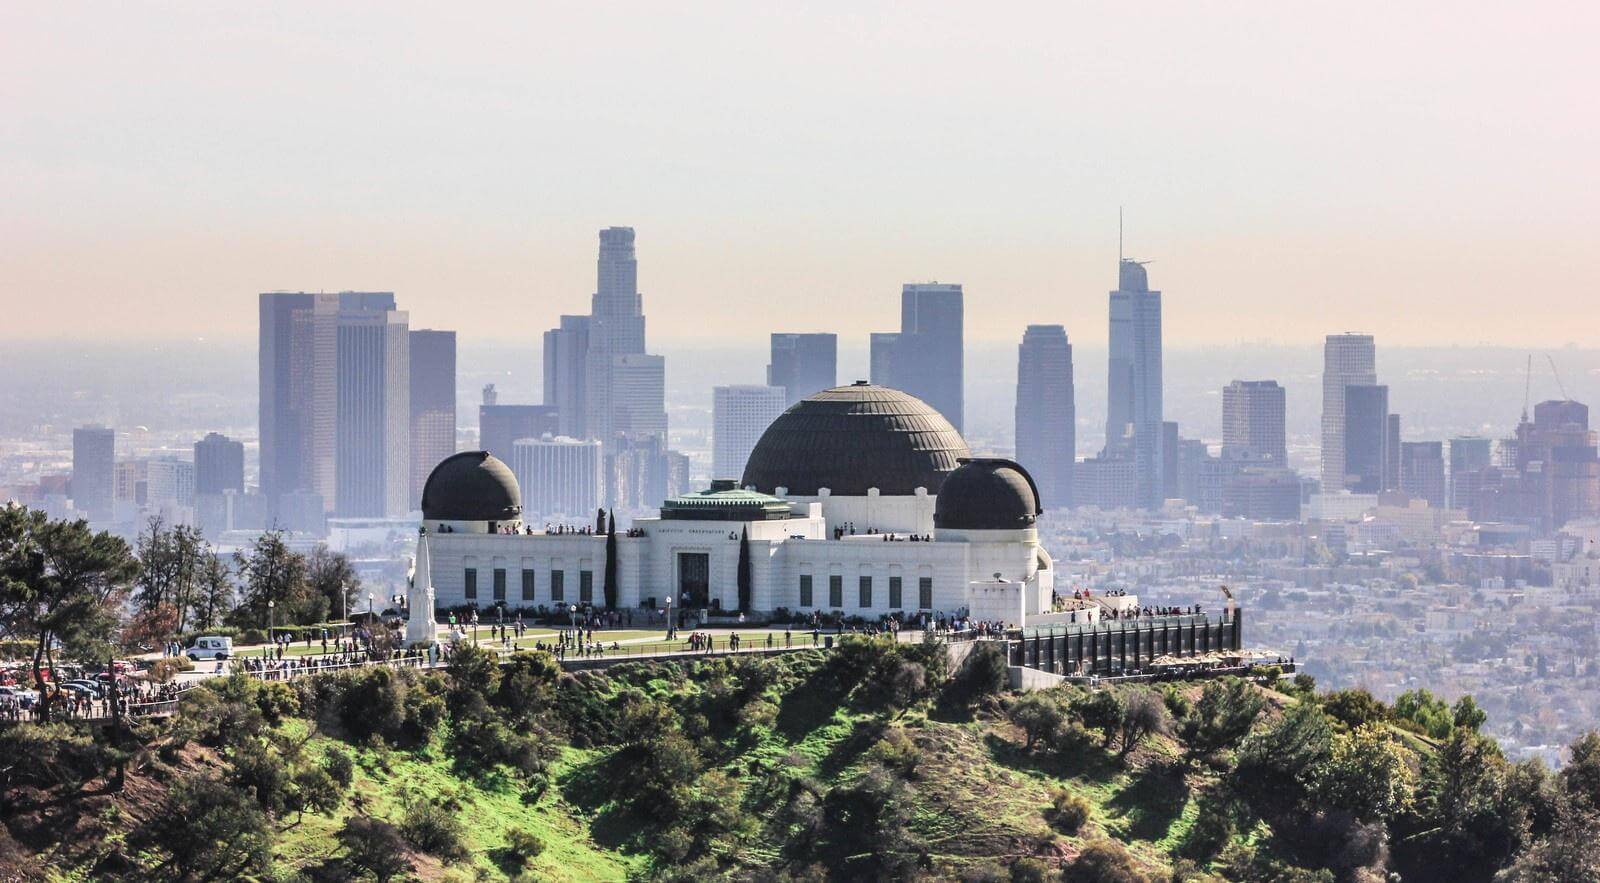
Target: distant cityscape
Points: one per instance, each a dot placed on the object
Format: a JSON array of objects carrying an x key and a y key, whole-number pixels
[{"x": 1426, "y": 554}]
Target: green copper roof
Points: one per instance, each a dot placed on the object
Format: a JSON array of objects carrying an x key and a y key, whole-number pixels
[{"x": 724, "y": 502}]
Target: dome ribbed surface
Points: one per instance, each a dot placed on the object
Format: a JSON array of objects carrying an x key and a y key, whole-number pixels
[
  {"x": 852, "y": 438},
  {"x": 987, "y": 494},
  {"x": 471, "y": 486}
]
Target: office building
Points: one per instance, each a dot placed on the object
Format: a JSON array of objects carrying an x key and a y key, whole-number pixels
[
  {"x": 1202, "y": 476},
  {"x": 1391, "y": 453},
  {"x": 94, "y": 457},
  {"x": 1422, "y": 472},
  {"x": 168, "y": 481},
  {"x": 297, "y": 393},
  {"x": 1105, "y": 483},
  {"x": 1364, "y": 439},
  {"x": 1347, "y": 360},
  {"x": 925, "y": 357},
  {"x": 638, "y": 396},
  {"x": 218, "y": 465},
  {"x": 499, "y": 426},
  {"x": 739, "y": 415},
  {"x": 803, "y": 364},
  {"x": 433, "y": 405},
  {"x": 560, "y": 477},
  {"x": 1253, "y": 424},
  {"x": 1262, "y": 493},
  {"x": 372, "y": 459},
  {"x": 566, "y": 372},
  {"x": 1469, "y": 456},
  {"x": 1133, "y": 384},
  {"x": 1046, "y": 412}
]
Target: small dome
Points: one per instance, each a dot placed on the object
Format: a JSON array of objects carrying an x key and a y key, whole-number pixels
[
  {"x": 852, "y": 438},
  {"x": 471, "y": 486},
  {"x": 987, "y": 494}
]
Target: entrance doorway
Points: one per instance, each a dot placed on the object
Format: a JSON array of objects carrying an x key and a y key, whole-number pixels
[{"x": 694, "y": 579}]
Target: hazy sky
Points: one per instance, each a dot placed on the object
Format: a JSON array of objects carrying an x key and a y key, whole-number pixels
[{"x": 1428, "y": 174}]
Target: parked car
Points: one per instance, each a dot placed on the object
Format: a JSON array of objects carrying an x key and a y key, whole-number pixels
[
  {"x": 90, "y": 688},
  {"x": 23, "y": 697},
  {"x": 210, "y": 647}
]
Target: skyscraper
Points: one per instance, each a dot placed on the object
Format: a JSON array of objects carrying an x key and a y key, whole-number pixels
[
  {"x": 616, "y": 330},
  {"x": 1347, "y": 360},
  {"x": 1469, "y": 456},
  {"x": 803, "y": 364},
  {"x": 559, "y": 476},
  {"x": 1253, "y": 423},
  {"x": 94, "y": 463},
  {"x": 739, "y": 415},
  {"x": 566, "y": 369},
  {"x": 925, "y": 357},
  {"x": 500, "y": 426},
  {"x": 1422, "y": 471},
  {"x": 297, "y": 394},
  {"x": 372, "y": 459},
  {"x": 218, "y": 465},
  {"x": 1046, "y": 412},
  {"x": 1133, "y": 385},
  {"x": 433, "y": 404},
  {"x": 1364, "y": 438}
]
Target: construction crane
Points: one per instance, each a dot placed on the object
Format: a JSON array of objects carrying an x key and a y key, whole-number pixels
[
  {"x": 1527, "y": 387},
  {"x": 1557, "y": 373}
]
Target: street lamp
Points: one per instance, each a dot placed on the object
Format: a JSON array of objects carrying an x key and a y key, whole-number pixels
[
  {"x": 672, "y": 632},
  {"x": 270, "y": 604}
]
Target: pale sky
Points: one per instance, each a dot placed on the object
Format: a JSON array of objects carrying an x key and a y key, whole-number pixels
[{"x": 1427, "y": 172}]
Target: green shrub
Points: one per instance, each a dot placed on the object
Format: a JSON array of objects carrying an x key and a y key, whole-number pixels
[
  {"x": 1068, "y": 812},
  {"x": 374, "y": 846},
  {"x": 434, "y": 830},
  {"x": 522, "y": 847},
  {"x": 339, "y": 766},
  {"x": 1103, "y": 861},
  {"x": 164, "y": 670},
  {"x": 252, "y": 636},
  {"x": 897, "y": 751},
  {"x": 1029, "y": 870}
]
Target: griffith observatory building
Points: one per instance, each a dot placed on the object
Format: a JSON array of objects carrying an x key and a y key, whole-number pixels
[{"x": 860, "y": 500}]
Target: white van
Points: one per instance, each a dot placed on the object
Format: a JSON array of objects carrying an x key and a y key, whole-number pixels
[{"x": 210, "y": 648}]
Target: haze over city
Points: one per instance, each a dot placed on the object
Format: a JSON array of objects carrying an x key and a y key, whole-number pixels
[{"x": 1289, "y": 169}]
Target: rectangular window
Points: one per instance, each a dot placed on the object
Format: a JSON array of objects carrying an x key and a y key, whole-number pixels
[
  {"x": 835, "y": 591},
  {"x": 585, "y": 587},
  {"x": 527, "y": 584},
  {"x": 894, "y": 593},
  {"x": 805, "y": 590},
  {"x": 866, "y": 591},
  {"x": 470, "y": 584},
  {"x": 558, "y": 588},
  {"x": 499, "y": 583},
  {"x": 925, "y": 592}
]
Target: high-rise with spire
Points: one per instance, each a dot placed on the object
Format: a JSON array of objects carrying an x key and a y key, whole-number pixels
[
  {"x": 1133, "y": 383},
  {"x": 616, "y": 343}
]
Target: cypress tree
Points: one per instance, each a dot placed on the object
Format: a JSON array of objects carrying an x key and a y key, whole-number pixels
[
  {"x": 611, "y": 562},
  {"x": 744, "y": 569}
]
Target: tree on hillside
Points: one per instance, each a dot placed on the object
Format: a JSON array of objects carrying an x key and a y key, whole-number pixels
[
  {"x": 332, "y": 579},
  {"x": 272, "y": 572},
  {"x": 1222, "y": 717},
  {"x": 744, "y": 569},
  {"x": 62, "y": 585},
  {"x": 171, "y": 563},
  {"x": 214, "y": 600},
  {"x": 609, "y": 586},
  {"x": 1367, "y": 775},
  {"x": 1143, "y": 714}
]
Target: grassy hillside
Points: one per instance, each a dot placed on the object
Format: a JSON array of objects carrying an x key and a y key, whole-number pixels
[{"x": 872, "y": 762}]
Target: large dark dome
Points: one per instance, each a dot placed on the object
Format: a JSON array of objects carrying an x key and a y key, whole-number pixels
[
  {"x": 987, "y": 494},
  {"x": 851, "y": 438},
  {"x": 471, "y": 486}
]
